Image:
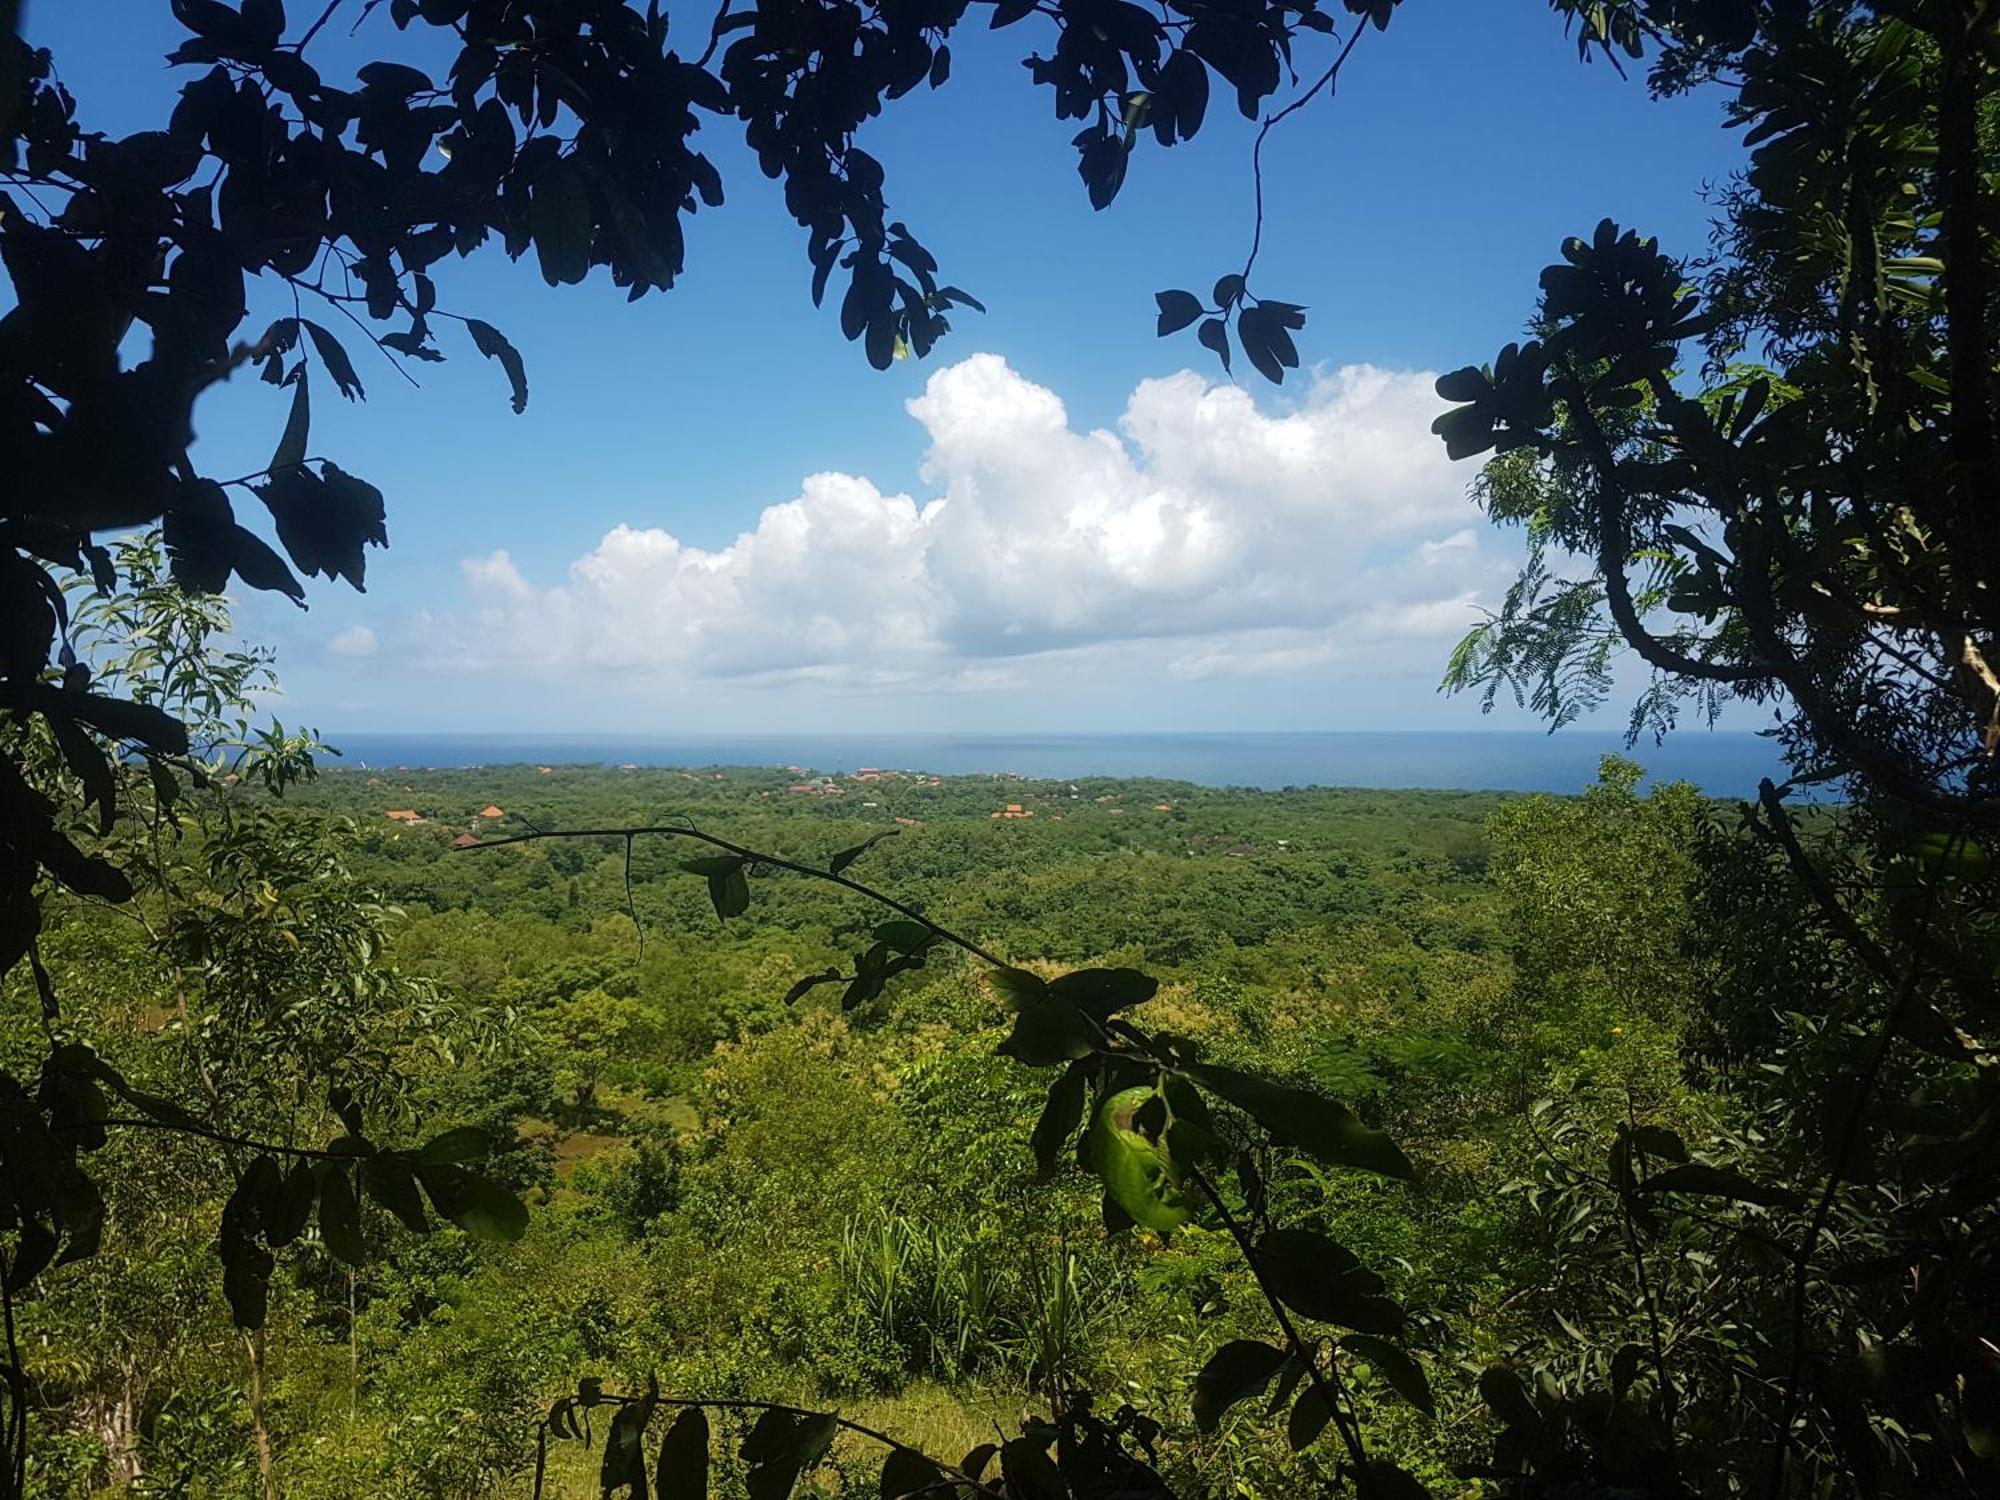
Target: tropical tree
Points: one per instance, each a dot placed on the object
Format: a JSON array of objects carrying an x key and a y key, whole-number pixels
[{"x": 1762, "y": 478}]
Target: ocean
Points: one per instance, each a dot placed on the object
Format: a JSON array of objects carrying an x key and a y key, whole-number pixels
[{"x": 1722, "y": 764}]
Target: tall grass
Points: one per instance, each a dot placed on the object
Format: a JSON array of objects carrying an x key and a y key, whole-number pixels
[{"x": 959, "y": 1305}]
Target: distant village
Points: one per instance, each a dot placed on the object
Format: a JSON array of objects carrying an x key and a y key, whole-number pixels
[{"x": 808, "y": 784}]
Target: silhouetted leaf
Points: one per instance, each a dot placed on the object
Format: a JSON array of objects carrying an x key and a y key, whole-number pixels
[
  {"x": 907, "y": 1472},
  {"x": 1720, "y": 1182},
  {"x": 1029, "y": 1471},
  {"x": 1388, "y": 1481},
  {"x": 1319, "y": 1126},
  {"x": 711, "y": 865},
  {"x": 1310, "y": 1414},
  {"x": 481, "y": 1208},
  {"x": 782, "y": 1445},
  {"x": 298, "y": 426},
  {"x": 1396, "y": 1366},
  {"x": 1048, "y": 1031},
  {"x": 1214, "y": 334},
  {"x": 559, "y": 221},
  {"x": 88, "y": 762},
  {"x": 334, "y": 357},
  {"x": 905, "y": 936},
  {"x": 1017, "y": 987},
  {"x": 460, "y": 1143},
  {"x": 289, "y": 1209},
  {"x": 490, "y": 342},
  {"x": 682, "y": 1471},
  {"x": 728, "y": 886},
  {"x": 624, "y": 1462},
  {"x": 1320, "y": 1279},
  {"x": 1235, "y": 1372},
  {"x": 1061, "y": 1114},
  {"x": 1506, "y": 1395},
  {"x": 1657, "y": 1140},
  {"x": 392, "y": 1185},
  {"x": 340, "y": 1217},
  {"x": 1177, "y": 310},
  {"x": 847, "y": 857},
  {"x": 1101, "y": 992},
  {"x": 730, "y": 893}
]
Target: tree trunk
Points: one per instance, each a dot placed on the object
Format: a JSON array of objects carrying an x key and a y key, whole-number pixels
[
  {"x": 117, "y": 1427},
  {"x": 254, "y": 1342}
]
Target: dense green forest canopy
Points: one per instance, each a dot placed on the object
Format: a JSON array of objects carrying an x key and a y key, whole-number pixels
[{"x": 746, "y": 1195}]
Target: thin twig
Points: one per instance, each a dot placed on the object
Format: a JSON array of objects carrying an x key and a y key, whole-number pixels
[
  {"x": 220, "y": 1137},
  {"x": 674, "y": 830},
  {"x": 1327, "y": 1382},
  {"x": 313, "y": 30},
  {"x": 1257, "y": 150},
  {"x": 607, "y": 1398}
]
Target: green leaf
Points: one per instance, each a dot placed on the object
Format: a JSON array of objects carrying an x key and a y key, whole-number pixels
[
  {"x": 1720, "y": 1182},
  {"x": 1235, "y": 1372},
  {"x": 1322, "y": 1280},
  {"x": 1017, "y": 987},
  {"x": 682, "y": 1471},
  {"x": 1319, "y": 1126},
  {"x": 1397, "y": 1367},
  {"x": 1048, "y": 1032},
  {"x": 340, "y": 1217},
  {"x": 1137, "y": 1173},
  {"x": 480, "y": 1207},
  {"x": 1060, "y": 1116}
]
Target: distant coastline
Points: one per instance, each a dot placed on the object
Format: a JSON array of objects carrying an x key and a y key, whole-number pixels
[{"x": 1722, "y": 764}]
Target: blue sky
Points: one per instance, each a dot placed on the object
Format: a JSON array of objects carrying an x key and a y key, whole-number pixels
[{"x": 715, "y": 517}]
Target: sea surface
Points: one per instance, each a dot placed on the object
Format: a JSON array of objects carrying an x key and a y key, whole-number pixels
[{"x": 1722, "y": 764}]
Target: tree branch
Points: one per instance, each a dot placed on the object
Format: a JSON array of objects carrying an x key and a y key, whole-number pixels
[
  {"x": 674, "y": 830},
  {"x": 1325, "y": 80},
  {"x": 1327, "y": 1382}
]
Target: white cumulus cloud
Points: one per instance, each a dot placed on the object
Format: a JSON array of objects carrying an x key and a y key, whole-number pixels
[
  {"x": 356, "y": 642},
  {"x": 1233, "y": 538}
]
